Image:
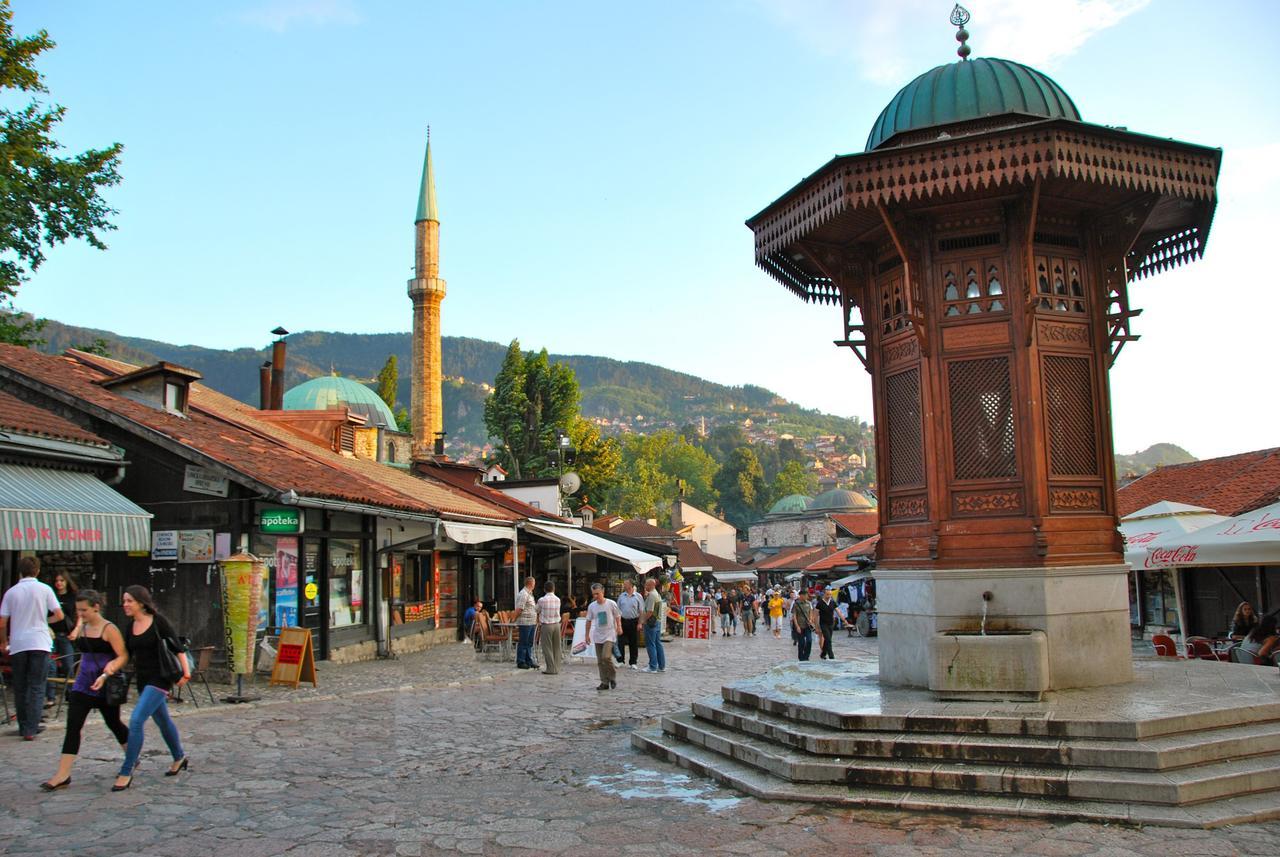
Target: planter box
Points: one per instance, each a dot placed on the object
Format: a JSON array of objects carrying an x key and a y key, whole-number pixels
[{"x": 997, "y": 666}]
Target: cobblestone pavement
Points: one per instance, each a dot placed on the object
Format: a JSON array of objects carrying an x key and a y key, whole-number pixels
[{"x": 437, "y": 753}]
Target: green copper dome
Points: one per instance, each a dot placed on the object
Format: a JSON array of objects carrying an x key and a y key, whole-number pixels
[
  {"x": 328, "y": 393},
  {"x": 792, "y": 504},
  {"x": 967, "y": 90},
  {"x": 840, "y": 500}
]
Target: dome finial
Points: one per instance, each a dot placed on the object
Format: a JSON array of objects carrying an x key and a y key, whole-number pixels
[{"x": 960, "y": 17}]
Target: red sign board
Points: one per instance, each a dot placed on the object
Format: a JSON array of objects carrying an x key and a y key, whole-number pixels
[
  {"x": 697, "y": 622},
  {"x": 289, "y": 655}
]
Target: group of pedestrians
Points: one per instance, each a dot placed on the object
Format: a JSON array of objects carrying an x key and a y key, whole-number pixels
[
  {"x": 31, "y": 617},
  {"x": 806, "y": 615}
]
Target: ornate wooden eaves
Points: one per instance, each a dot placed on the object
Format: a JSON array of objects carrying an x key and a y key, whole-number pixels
[
  {"x": 1053, "y": 149},
  {"x": 848, "y": 270}
]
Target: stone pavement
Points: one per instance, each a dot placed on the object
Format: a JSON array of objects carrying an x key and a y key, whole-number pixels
[{"x": 437, "y": 753}]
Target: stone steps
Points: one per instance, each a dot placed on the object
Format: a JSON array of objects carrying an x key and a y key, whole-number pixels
[
  {"x": 1186, "y": 785},
  {"x": 1163, "y": 753},
  {"x": 1243, "y": 809}
]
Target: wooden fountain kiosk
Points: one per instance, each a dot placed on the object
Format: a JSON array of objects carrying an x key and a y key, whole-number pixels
[{"x": 980, "y": 251}]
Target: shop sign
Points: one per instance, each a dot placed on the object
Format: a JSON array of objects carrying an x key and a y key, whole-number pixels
[
  {"x": 164, "y": 544},
  {"x": 286, "y": 521},
  {"x": 697, "y": 622},
  {"x": 195, "y": 546},
  {"x": 197, "y": 480}
]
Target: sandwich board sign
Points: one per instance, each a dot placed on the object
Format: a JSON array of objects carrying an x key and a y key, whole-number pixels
[{"x": 295, "y": 661}]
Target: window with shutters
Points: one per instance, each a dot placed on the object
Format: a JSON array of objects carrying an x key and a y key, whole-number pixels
[
  {"x": 982, "y": 430},
  {"x": 972, "y": 287},
  {"x": 1068, "y": 397},
  {"x": 1060, "y": 286},
  {"x": 906, "y": 441}
]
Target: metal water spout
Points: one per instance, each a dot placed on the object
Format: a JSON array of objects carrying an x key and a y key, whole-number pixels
[{"x": 986, "y": 599}]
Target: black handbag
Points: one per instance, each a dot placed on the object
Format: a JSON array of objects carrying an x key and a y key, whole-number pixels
[
  {"x": 115, "y": 690},
  {"x": 170, "y": 667}
]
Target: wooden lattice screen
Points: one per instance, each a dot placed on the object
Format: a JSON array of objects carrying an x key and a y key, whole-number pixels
[
  {"x": 906, "y": 442},
  {"x": 1068, "y": 394},
  {"x": 982, "y": 419}
]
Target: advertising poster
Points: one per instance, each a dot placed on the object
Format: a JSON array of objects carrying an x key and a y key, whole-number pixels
[
  {"x": 241, "y": 589},
  {"x": 697, "y": 622},
  {"x": 286, "y": 582},
  {"x": 195, "y": 546}
]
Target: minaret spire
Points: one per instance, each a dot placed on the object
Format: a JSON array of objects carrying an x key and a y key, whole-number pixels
[{"x": 427, "y": 291}]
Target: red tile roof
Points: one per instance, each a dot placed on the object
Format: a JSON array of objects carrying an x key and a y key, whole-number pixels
[
  {"x": 693, "y": 556},
  {"x": 859, "y": 524},
  {"x": 22, "y": 417},
  {"x": 464, "y": 476},
  {"x": 230, "y": 433},
  {"x": 795, "y": 559},
  {"x": 637, "y": 529},
  {"x": 1229, "y": 485},
  {"x": 866, "y": 547}
]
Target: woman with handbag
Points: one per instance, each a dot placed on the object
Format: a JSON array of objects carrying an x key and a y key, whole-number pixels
[
  {"x": 160, "y": 665},
  {"x": 102, "y": 656}
]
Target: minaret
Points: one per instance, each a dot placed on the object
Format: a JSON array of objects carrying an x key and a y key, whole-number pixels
[{"x": 426, "y": 290}]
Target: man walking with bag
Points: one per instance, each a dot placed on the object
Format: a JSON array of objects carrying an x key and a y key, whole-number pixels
[{"x": 28, "y": 608}]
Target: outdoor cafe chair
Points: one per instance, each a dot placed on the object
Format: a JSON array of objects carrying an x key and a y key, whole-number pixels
[
  {"x": 1165, "y": 646},
  {"x": 63, "y": 683},
  {"x": 1201, "y": 648},
  {"x": 199, "y": 672},
  {"x": 1239, "y": 656}
]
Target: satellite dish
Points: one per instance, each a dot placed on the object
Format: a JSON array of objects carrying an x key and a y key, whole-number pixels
[{"x": 570, "y": 483}]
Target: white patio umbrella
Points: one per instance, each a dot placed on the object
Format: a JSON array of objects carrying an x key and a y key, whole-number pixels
[
  {"x": 1166, "y": 518},
  {"x": 1250, "y": 538}
]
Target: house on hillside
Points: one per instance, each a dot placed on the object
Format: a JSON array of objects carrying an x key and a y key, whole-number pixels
[{"x": 713, "y": 535}]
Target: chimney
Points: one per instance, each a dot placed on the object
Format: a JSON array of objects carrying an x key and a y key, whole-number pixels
[
  {"x": 439, "y": 445},
  {"x": 264, "y": 386},
  {"x": 277, "y": 369}
]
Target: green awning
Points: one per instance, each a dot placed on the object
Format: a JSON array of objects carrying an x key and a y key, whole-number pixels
[{"x": 52, "y": 510}]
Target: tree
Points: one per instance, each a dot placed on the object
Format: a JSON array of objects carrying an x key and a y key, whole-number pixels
[
  {"x": 47, "y": 199},
  {"x": 533, "y": 400},
  {"x": 742, "y": 487},
  {"x": 793, "y": 478},
  {"x": 99, "y": 346},
  {"x": 389, "y": 381},
  {"x": 598, "y": 461}
]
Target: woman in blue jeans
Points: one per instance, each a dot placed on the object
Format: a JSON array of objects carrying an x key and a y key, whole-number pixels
[{"x": 143, "y": 636}]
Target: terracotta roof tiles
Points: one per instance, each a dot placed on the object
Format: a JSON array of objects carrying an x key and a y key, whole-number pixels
[
  {"x": 22, "y": 417},
  {"x": 1229, "y": 485}
]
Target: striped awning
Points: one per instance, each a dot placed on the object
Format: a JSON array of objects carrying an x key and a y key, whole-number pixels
[{"x": 53, "y": 510}]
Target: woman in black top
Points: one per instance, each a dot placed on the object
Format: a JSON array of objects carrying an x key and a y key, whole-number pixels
[
  {"x": 143, "y": 636},
  {"x": 64, "y": 657},
  {"x": 102, "y": 654}
]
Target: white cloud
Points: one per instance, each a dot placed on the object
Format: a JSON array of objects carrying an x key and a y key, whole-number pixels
[
  {"x": 886, "y": 39},
  {"x": 281, "y": 15}
]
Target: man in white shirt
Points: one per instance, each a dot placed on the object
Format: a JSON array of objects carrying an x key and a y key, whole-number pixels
[
  {"x": 527, "y": 625},
  {"x": 549, "y": 629},
  {"x": 28, "y": 608},
  {"x": 604, "y": 624}
]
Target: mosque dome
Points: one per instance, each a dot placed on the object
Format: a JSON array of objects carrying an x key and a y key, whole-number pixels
[
  {"x": 792, "y": 504},
  {"x": 840, "y": 500},
  {"x": 330, "y": 392},
  {"x": 963, "y": 91}
]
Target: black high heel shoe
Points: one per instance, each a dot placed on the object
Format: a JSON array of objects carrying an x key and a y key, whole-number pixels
[
  {"x": 116, "y": 788},
  {"x": 182, "y": 766},
  {"x": 53, "y": 787}
]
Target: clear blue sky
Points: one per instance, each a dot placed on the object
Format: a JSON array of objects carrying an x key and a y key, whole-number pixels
[{"x": 595, "y": 163}]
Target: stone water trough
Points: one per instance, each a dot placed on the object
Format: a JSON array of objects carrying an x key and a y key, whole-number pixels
[{"x": 989, "y": 665}]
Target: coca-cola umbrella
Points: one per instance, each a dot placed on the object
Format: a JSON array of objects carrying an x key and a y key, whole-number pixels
[
  {"x": 1250, "y": 538},
  {"x": 1166, "y": 518}
]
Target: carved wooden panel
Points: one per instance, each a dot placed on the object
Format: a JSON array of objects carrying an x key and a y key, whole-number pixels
[
  {"x": 971, "y": 287},
  {"x": 905, "y": 431},
  {"x": 1063, "y": 334},
  {"x": 913, "y": 508},
  {"x": 1068, "y": 400},
  {"x": 1075, "y": 499},
  {"x": 903, "y": 350},
  {"x": 893, "y": 303},
  {"x": 1002, "y": 502},
  {"x": 982, "y": 431},
  {"x": 975, "y": 336},
  {"x": 1060, "y": 285}
]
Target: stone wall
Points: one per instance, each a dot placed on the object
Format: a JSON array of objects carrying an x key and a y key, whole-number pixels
[{"x": 792, "y": 532}]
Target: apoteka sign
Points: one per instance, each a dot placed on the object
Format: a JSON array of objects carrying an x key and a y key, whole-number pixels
[{"x": 285, "y": 521}]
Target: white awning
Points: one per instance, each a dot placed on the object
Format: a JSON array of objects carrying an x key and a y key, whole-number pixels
[
  {"x": 1160, "y": 521},
  {"x": 589, "y": 542},
  {"x": 1251, "y": 538},
  {"x": 474, "y": 534},
  {"x": 736, "y": 576}
]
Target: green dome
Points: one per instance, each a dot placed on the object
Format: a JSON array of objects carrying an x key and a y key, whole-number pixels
[
  {"x": 327, "y": 393},
  {"x": 840, "y": 500},
  {"x": 967, "y": 90},
  {"x": 792, "y": 504}
]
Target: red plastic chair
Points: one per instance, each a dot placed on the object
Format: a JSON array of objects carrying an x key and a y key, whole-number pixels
[
  {"x": 1165, "y": 646},
  {"x": 1201, "y": 648}
]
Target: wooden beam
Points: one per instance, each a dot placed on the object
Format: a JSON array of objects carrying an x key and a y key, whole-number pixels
[
  {"x": 1029, "y": 293},
  {"x": 915, "y": 314}
]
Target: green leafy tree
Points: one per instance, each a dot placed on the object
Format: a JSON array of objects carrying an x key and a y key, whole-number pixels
[
  {"x": 793, "y": 478},
  {"x": 99, "y": 346},
  {"x": 388, "y": 381},
  {"x": 742, "y": 487},
  {"x": 653, "y": 467},
  {"x": 533, "y": 400},
  {"x": 404, "y": 422},
  {"x": 599, "y": 459},
  {"x": 47, "y": 199}
]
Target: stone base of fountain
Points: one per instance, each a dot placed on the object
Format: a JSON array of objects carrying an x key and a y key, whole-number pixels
[{"x": 999, "y": 666}]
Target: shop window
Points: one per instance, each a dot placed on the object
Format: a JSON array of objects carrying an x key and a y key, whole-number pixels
[
  {"x": 411, "y": 588},
  {"x": 346, "y": 583},
  {"x": 1161, "y": 608}
]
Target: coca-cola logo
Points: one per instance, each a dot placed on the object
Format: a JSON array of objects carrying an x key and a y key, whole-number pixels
[
  {"x": 1141, "y": 538},
  {"x": 1164, "y": 557},
  {"x": 1267, "y": 523}
]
